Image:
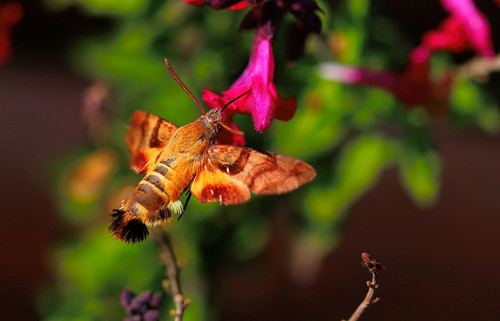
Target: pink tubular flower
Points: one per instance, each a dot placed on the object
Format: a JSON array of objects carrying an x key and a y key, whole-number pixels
[
  {"x": 262, "y": 100},
  {"x": 465, "y": 28}
]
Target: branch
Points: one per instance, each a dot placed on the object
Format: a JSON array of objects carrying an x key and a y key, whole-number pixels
[
  {"x": 480, "y": 68},
  {"x": 374, "y": 267},
  {"x": 172, "y": 284}
]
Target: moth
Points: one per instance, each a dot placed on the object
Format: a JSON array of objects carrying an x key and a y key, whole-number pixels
[{"x": 187, "y": 159}]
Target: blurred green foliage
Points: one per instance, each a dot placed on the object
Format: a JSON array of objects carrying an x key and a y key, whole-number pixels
[{"x": 349, "y": 134}]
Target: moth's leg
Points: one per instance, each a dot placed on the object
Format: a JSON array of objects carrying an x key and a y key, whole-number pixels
[
  {"x": 188, "y": 197},
  {"x": 175, "y": 207}
]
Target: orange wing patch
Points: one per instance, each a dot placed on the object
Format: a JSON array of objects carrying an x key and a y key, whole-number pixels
[
  {"x": 146, "y": 137},
  {"x": 213, "y": 185},
  {"x": 262, "y": 173}
]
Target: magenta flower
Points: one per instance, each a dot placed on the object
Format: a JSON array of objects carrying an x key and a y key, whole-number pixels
[
  {"x": 262, "y": 101},
  {"x": 465, "y": 28}
]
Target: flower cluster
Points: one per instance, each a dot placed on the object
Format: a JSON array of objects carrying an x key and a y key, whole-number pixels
[
  {"x": 262, "y": 101},
  {"x": 466, "y": 28},
  {"x": 141, "y": 308}
]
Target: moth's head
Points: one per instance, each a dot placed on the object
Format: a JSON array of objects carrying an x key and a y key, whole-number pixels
[
  {"x": 127, "y": 227},
  {"x": 213, "y": 124},
  {"x": 212, "y": 116},
  {"x": 212, "y": 120}
]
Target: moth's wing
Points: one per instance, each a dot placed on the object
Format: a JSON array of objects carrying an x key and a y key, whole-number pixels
[
  {"x": 262, "y": 173},
  {"x": 147, "y": 135},
  {"x": 213, "y": 185}
]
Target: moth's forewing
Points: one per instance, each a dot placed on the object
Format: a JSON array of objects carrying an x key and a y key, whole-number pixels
[{"x": 146, "y": 137}]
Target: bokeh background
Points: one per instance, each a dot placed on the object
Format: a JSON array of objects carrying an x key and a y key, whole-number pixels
[{"x": 418, "y": 192}]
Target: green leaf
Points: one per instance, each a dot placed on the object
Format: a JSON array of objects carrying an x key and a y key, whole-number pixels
[
  {"x": 316, "y": 125},
  {"x": 118, "y": 7},
  {"x": 369, "y": 107},
  {"x": 471, "y": 105},
  {"x": 254, "y": 228},
  {"x": 420, "y": 173},
  {"x": 100, "y": 7},
  {"x": 362, "y": 161},
  {"x": 359, "y": 8},
  {"x": 103, "y": 261}
]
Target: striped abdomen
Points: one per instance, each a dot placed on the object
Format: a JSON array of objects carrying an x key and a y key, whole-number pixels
[{"x": 153, "y": 200}]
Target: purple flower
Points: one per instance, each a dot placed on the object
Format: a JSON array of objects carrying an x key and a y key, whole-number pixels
[{"x": 141, "y": 308}]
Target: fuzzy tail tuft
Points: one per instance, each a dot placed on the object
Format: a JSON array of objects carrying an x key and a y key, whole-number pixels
[{"x": 128, "y": 227}]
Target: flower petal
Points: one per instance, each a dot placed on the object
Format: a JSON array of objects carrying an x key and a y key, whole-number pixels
[
  {"x": 285, "y": 108},
  {"x": 475, "y": 24},
  {"x": 239, "y": 6}
]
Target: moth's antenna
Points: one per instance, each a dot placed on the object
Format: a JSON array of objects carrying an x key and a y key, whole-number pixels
[
  {"x": 233, "y": 100},
  {"x": 179, "y": 81}
]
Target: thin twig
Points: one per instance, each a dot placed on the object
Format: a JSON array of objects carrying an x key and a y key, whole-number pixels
[
  {"x": 373, "y": 266},
  {"x": 172, "y": 284},
  {"x": 480, "y": 68},
  {"x": 368, "y": 299}
]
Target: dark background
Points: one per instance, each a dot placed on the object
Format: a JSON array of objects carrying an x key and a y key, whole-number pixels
[{"x": 442, "y": 263}]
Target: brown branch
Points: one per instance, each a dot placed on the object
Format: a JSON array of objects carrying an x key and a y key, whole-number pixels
[
  {"x": 172, "y": 284},
  {"x": 374, "y": 267}
]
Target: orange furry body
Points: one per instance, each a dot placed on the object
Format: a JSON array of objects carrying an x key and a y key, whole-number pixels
[{"x": 172, "y": 172}]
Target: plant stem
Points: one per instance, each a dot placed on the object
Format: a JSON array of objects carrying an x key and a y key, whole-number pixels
[
  {"x": 172, "y": 285},
  {"x": 374, "y": 267},
  {"x": 368, "y": 299}
]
